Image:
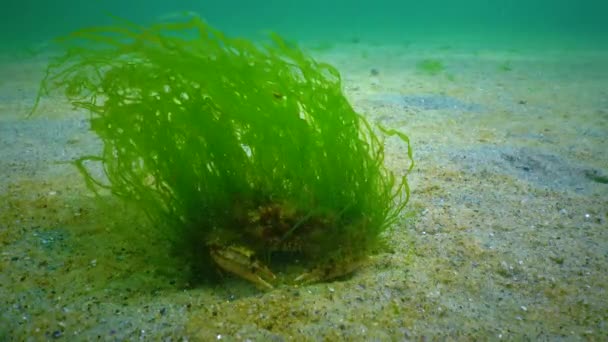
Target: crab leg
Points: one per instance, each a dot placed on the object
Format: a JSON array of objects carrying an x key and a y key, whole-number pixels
[
  {"x": 242, "y": 263},
  {"x": 329, "y": 271}
]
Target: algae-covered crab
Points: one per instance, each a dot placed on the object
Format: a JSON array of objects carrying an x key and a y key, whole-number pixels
[
  {"x": 236, "y": 151},
  {"x": 279, "y": 228}
]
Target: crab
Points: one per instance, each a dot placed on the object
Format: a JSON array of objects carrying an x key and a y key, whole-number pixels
[
  {"x": 241, "y": 261},
  {"x": 270, "y": 229}
]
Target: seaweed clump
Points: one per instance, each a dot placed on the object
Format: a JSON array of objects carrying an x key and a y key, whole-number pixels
[
  {"x": 431, "y": 66},
  {"x": 222, "y": 141}
]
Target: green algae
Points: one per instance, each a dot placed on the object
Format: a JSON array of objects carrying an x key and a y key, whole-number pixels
[
  {"x": 430, "y": 66},
  {"x": 505, "y": 66},
  {"x": 596, "y": 176},
  {"x": 220, "y": 141}
]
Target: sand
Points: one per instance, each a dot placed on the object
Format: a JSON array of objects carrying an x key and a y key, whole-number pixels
[{"x": 505, "y": 236}]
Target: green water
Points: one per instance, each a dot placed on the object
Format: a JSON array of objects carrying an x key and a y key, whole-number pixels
[{"x": 31, "y": 21}]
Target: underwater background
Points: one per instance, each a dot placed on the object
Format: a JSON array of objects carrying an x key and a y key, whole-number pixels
[
  {"x": 505, "y": 235},
  {"x": 386, "y": 20}
]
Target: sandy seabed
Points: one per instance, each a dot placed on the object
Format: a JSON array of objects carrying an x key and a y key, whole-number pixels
[{"x": 505, "y": 236}]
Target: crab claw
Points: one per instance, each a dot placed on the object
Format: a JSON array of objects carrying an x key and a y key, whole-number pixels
[
  {"x": 241, "y": 262},
  {"x": 329, "y": 271}
]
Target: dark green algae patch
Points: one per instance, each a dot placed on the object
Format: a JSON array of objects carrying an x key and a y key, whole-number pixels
[{"x": 220, "y": 141}]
